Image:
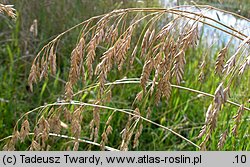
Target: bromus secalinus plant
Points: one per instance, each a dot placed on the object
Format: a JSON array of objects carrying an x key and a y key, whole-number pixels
[{"x": 110, "y": 50}]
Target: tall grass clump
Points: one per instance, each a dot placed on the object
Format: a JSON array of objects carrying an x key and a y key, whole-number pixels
[{"x": 147, "y": 49}]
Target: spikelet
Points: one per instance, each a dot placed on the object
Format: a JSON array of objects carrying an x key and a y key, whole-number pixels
[
  {"x": 69, "y": 90},
  {"x": 98, "y": 36},
  {"x": 137, "y": 136},
  {"x": 52, "y": 60},
  {"x": 114, "y": 35},
  {"x": 166, "y": 87},
  {"x": 107, "y": 131},
  {"x": 133, "y": 55},
  {"x": 226, "y": 94},
  {"x": 67, "y": 114},
  {"x": 44, "y": 67},
  {"x": 76, "y": 146},
  {"x": 45, "y": 131},
  {"x": 76, "y": 122},
  {"x": 218, "y": 100},
  {"x": 219, "y": 96},
  {"x": 125, "y": 135},
  {"x": 201, "y": 74},
  {"x": 147, "y": 68},
  {"x": 178, "y": 68},
  {"x": 34, "y": 28},
  {"x": 222, "y": 139},
  {"x": 190, "y": 38},
  {"x": 25, "y": 129},
  {"x": 90, "y": 57},
  {"x": 244, "y": 65},
  {"x": 108, "y": 33},
  {"x": 55, "y": 124},
  {"x": 35, "y": 146},
  {"x": 32, "y": 76},
  {"x": 151, "y": 38},
  {"x": 75, "y": 66},
  {"x": 138, "y": 97},
  {"x": 108, "y": 96},
  {"x": 220, "y": 60},
  {"x": 202, "y": 131},
  {"x": 159, "y": 90},
  {"x": 96, "y": 121},
  {"x": 209, "y": 114},
  {"x": 118, "y": 51},
  {"x": 148, "y": 112},
  {"x": 203, "y": 143},
  {"x": 229, "y": 64},
  {"x": 15, "y": 137},
  {"x": 155, "y": 78},
  {"x": 145, "y": 41},
  {"x": 237, "y": 119},
  {"x": 92, "y": 128}
]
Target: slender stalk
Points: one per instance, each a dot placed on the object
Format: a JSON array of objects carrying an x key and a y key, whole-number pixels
[{"x": 174, "y": 86}]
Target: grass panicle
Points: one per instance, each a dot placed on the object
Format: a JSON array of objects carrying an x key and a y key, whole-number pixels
[{"x": 114, "y": 43}]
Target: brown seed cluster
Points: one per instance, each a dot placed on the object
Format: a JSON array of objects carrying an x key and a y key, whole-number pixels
[{"x": 8, "y": 9}]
